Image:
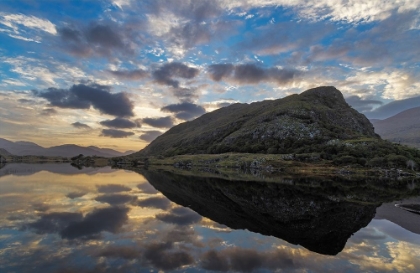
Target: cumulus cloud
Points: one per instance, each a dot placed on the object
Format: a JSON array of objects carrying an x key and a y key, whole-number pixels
[
  {"x": 164, "y": 122},
  {"x": 120, "y": 123},
  {"x": 165, "y": 75},
  {"x": 132, "y": 75},
  {"x": 251, "y": 74},
  {"x": 99, "y": 38},
  {"x": 185, "y": 110},
  {"x": 80, "y": 125},
  {"x": 150, "y": 135},
  {"x": 83, "y": 96}
]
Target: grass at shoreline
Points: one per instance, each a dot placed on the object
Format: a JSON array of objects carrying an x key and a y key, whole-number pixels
[{"x": 303, "y": 164}]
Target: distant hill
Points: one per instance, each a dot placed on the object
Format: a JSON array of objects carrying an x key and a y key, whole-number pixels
[
  {"x": 285, "y": 125},
  {"x": 393, "y": 108},
  {"x": 21, "y": 148},
  {"x": 402, "y": 128}
]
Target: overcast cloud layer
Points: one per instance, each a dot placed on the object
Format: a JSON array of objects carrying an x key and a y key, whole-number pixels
[{"x": 123, "y": 72}]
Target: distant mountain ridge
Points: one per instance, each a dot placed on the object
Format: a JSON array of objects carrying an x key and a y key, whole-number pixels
[
  {"x": 403, "y": 127},
  {"x": 393, "y": 108},
  {"x": 285, "y": 125},
  {"x": 22, "y": 148}
]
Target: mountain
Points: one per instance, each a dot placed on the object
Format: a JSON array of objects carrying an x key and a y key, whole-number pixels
[
  {"x": 68, "y": 150},
  {"x": 272, "y": 126},
  {"x": 393, "y": 108},
  {"x": 402, "y": 128}
]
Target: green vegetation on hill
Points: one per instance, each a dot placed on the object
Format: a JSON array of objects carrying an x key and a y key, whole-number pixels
[
  {"x": 275, "y": 126},
  {"x": 316, "y": 130}
]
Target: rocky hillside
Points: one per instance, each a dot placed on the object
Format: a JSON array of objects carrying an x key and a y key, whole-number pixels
[
  {"x": 402, "y": 128},
  {"x": 273, "y": 126}
]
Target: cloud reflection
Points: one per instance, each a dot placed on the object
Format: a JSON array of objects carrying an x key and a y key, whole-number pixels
[
  {"x": 180, "y": 216},
  {"x": 107, "y": 219}
]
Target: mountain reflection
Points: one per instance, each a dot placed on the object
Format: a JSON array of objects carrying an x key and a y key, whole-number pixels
[
  {"x": 103, "y": 220},
  {"x": 318, "y": 218}
]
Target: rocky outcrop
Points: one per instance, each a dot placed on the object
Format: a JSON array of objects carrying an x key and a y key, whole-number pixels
[{"x": 275, "y": 126}]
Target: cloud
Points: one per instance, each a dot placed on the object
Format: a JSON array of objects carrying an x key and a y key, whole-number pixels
[
  {"x": 362, "y": 105},
  {"x": 158, "y": 202},
  {"x": 132, "y": 75},
  {"x": 147, "y": 188},
  {"x": 180, "y": 216},
  {"x": 165, "y": 74},
  {"x": 82, "y": 96},
  {"x": 164, "y": 122},
  {"x": 219, "y": 71},
  {"x": 184, "y": 26},
  {"x": 104, "y": 35},
  {"x": 163, "y": 256},
  {"x": 111, "y": 188},
  {"x": 107, "y": 219},
  {"x": 393, "y": 108},
  {"x": 41, "y": 207},
  {"x": 336, "y": 10},
  {"x": 80, "y": 125},
  {"x": 99, "y": 38},
  {"x": 54, "y": 222},
  {"x": 73, "y": 195},
  {"x": 115, "y": 199},
  {"x": 149, "y": 136},
  {"x": 213, "y": 261},
  {"x": 13, "y": 20},
  {"x": 185, "y": 110},
  {"x": 120, "y": 123},
  {"x": 249, "y": 260},
  {"x": 123, "y": 252},
  {"x": 275, "y": 39},
  {"x": 376, "y": 46},
  {"x": 48, "y": 112},
  {"x": 26, "y": 101},
  {"x": 251, "y": 74},
  {"x": 114, "y": 133}
]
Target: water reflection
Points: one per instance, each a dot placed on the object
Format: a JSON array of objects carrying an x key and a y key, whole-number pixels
[
  {"x": 105, "y": 220},
  {"x": 314, "y": 219}
]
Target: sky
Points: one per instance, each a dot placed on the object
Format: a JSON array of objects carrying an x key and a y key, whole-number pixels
[{"x": 118, "y": 73}]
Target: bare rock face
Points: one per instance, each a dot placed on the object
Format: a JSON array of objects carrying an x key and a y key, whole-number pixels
[{"x": 275, "y": 126}]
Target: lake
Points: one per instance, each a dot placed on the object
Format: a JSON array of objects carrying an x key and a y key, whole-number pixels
[{"x": 57, "y": 218}]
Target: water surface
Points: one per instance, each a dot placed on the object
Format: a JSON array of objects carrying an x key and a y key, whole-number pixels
[{"x": 56, "y": 218}]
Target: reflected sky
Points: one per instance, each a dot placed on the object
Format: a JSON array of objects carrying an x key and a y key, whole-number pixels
[{"x": 105, "y": 220}]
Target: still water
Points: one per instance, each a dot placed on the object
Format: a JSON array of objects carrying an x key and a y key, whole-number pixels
[{"x": 56, "y": 218}]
